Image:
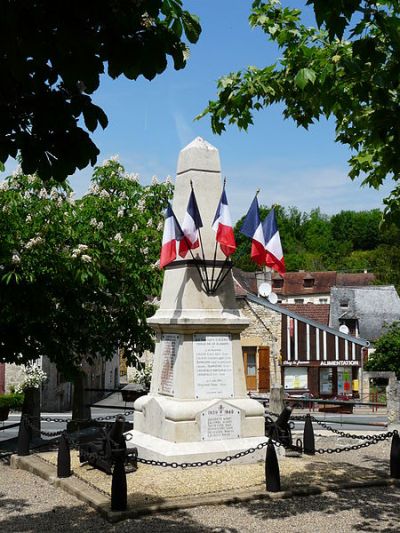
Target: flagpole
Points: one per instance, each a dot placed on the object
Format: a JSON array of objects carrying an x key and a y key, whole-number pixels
[
  {"x": 219, "y": 281},
  {"x": 216, "y": 244},
  {"x": 207, "y": 283}
]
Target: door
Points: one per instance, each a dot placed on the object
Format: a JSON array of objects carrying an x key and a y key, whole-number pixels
[
  {"x": 250, "y": 367},
  {"x": 263, "y": 369}
]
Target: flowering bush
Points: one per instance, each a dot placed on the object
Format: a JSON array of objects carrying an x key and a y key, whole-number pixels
[
  {"x": 142, "y": 375},
  {"x": 33, "y": 378},
  {"x": 78, "y": 277}
]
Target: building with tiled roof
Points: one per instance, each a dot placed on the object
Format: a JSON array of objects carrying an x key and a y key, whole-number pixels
[
  {"x": 319, "y": 313},
  {"x": 315, "y": 287},
  {"x": 292, "y": 344}
]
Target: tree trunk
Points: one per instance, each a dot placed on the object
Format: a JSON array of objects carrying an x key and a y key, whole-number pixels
[
  {"x": 80, "y": 399},
  {"x": 31, "y": 407}
]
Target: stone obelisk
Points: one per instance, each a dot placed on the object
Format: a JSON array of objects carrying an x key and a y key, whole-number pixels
[{"x": 198, "y": 407}]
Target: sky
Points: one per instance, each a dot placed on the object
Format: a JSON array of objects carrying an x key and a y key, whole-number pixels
[{"x": 150, "y": 122}]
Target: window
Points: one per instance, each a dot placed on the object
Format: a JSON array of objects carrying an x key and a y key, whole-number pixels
[
  {"x": 344, "y": 303},
  {"x": 296, "y": 378},
  {"x": 352, "y": 324},
  {"x": 323, "y": 300},
  {"x": 277, "y": 283},
  {"x": 251, "y": 364},
  {"x": 299, "y": 300},
  {"x": 325, "y": 380},
  {"x": 308, "y": 283}
]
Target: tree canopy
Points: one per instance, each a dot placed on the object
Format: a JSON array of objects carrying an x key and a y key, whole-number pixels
[
  {"x": 346, "y": 67},
  {"x": 387, "y": 349},
  {"x": 52, "y": 57},
  {"x": 77, "y": 278},
  {"x": 348, "y": 241}
]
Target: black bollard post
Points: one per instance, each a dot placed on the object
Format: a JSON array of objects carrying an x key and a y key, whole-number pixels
[
  {"x": 308, "y": 437},
  {"x": 395, "y": 456},
  {"x": 118, "y": 485},
  {"x": 63, "y": 457},
  {"x": 24, "y": 436},
  {"x": 272, "y": 476}
]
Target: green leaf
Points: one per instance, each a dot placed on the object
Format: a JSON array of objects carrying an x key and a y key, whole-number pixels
[{"x": 304, "y": 76}]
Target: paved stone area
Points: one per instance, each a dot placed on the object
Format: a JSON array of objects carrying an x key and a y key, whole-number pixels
[{"x": 29, "y": 504}]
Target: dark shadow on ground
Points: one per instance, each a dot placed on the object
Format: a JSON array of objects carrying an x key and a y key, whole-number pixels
[
  {"x": 82, "y": 519},
  {"x": 374, "y": 504}
]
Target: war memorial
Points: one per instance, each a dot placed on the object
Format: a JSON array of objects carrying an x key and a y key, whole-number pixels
[{"x": 198, "y": 405}]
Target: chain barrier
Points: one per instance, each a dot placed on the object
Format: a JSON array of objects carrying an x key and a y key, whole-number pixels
[
  {"x": 370, "y": 440},
  {"x": 210, "y": 462},
  {"x": 97, "y": 419},
  {"x": 346, "y": 435},
  {"x": 356, "y": 446}
]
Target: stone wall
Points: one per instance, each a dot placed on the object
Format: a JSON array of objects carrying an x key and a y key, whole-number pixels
[
  {"x": 14, "y": 376},
  {"x": 264, "y": 330},
  {"x": 56, "y": 393},
  {"x": 392, "y": 393}
]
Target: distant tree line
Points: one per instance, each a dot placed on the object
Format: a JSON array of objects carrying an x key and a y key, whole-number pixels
[{"x": 349, "y": 241}]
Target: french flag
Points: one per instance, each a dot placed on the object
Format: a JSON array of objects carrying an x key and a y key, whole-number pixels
[
  {"x": 274, "y": 254},
  {"x": 222, "y": 225},
  {"x": 253, "y": 229},
  {"x": 172, "y": 234},
  {"x": 190, "y": 227}
]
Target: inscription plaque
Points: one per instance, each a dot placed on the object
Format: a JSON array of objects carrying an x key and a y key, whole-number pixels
[
  {"x": 213, "y": 366},
  {"x": 220, "y": 421},
  {"x": 169, "y": 349}
]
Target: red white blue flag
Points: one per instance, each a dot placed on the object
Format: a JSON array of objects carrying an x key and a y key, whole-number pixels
[
  {"x": 172, "y": 234},
  {"x": 190, "y": 226},
  {"x": 274, "y": 253},
  {"x": 222, "y": 225},
  {"x": 252, "y": 228}
]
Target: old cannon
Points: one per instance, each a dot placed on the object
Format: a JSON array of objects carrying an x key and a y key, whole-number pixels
[
  {"x": 280, "y": 430},
  {"x": 102, "y": 451}
]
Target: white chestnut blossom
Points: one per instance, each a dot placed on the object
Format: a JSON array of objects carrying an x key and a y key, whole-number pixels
[
  {"x": 43, "y": 194},
  {"x": 94, "y": 189},
  {"x": 86, "y": 258},
  {"x": 15, "y": 259},
  {"x": 4, "y": 185},
  {"x": 160, "y": 225},
  {"x": 121, "y": 211},
  {"x": 100, "y": 225},
  {"x": 104, "y": 194},
  {"x": 33, "y": 242},
  {"x": 118, "y": 238},
  {"x": 93, "y": 222},
  {"x": 149, "y": 223},
  {"x": 154, "y": 180}
]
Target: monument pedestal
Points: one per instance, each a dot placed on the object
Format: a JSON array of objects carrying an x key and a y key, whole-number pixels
[
  {"x": 156, "y": 449},
  {"x": 198, "y": 408}
]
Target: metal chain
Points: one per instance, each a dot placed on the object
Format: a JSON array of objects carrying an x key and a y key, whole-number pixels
[
  {"x": 347, "y": 435},
  {"x": 106, "y": 417},
  {"x": 356, "y": 446}
]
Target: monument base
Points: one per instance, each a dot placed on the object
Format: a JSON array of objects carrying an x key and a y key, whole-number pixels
[{"x": 156, "y": 449}]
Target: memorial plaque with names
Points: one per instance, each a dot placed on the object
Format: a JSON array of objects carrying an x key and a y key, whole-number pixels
[
  {"x": 219, "y": 422},
  {"x": 169, "y": 350},
  {"x": 213, "y": 366}
]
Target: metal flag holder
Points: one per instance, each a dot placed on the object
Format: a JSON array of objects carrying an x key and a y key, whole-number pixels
[{"x": 211, "y": 281}]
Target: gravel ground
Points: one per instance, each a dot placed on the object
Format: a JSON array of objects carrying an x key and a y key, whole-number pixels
[{"x": 30, "y": 504}]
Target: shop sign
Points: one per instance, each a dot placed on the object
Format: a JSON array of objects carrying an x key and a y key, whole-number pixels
[{"x": 340, "y": 363}]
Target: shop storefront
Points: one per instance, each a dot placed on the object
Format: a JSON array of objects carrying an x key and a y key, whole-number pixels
[{"x": 319, "y": 360}]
